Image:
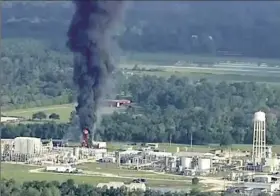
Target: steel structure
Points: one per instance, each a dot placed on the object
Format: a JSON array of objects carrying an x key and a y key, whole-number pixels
[
  {"x": 259, "y": 138},
  {"x": 85, "y": 139}
]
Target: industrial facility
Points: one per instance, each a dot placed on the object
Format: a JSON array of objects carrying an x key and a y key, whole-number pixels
[
  {"x": 129, "y": 187},
  {"x": 247, "y": 172}
]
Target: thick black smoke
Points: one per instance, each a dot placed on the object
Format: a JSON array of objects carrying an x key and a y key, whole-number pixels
[{"x": 89, "y": 37}]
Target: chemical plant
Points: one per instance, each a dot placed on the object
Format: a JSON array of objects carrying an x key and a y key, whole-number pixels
[{"x": 245, "y": 172}]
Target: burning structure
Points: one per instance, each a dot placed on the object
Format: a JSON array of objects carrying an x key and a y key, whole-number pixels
[
  {"x": 89, "y": 38},
  {"x": 85, "y": 142}
]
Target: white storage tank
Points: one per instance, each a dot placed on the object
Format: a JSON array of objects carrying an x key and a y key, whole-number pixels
[
  {"x": 269, "y": 152},
  {"x": 99, "y": 144},
  {"x": 259, "y": 116},
  {"x": 186, "y": 162},
  {"x": 28, "y": 145},
  {"x": 204, "y": 164}
]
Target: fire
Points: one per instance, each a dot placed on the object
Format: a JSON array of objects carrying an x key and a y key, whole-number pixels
[{"x": 85, "y": 142}]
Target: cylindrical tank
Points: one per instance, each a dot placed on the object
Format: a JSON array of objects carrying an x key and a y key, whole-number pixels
[
  {"x": 259, "y": 116},
  {"x": 204, "y": 164},
  {"x": 28, "y": 145},
  {"x": 186, "y": 162}
]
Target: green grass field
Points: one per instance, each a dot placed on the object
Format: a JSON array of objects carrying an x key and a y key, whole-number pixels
[
  {"x": 218, "y": 73},
  {"x": 168, "y": 58},
  {"x": 21, "y": 173},
  {"x": 63, "y": 111},
  {"x": 246, "y": 69}
]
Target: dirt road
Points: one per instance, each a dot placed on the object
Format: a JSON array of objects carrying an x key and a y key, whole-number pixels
[{"x": 213, "y": 184}]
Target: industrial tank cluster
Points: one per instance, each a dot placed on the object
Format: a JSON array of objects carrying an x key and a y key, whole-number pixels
[
  {"x": 202, "y": 164},
  {"x": 35, "y": 151},
  {"x": 27, "y": 145},
  {"x": 22, "y": 145},
  {"x": 149, "y": 156}
]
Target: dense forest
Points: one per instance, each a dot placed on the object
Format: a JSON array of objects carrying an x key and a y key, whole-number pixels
[
  {"x": 166, "y": 108},
  {"x": 174, "y": 108},
  {"x": 69, "y": 188},
  {"x": 208, "y": 28},
  {"x": 32, "y": 73}
]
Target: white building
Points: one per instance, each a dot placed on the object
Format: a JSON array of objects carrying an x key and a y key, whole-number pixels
[
  {"x": 130, "y": 187},
  {"x": 129, "y": 152},
  {"x": 159, "y": 154},
  {"x": 8, "y": 119},
  {"x": 136, "y": 186},
  {"x": 62, "y": 169},
  {"x": 270, "y": 187},
  {"x": 99, "y": 144},
  {"x": 262, "y": 182},
  {"x": 193, "y": 154},
  {"x": 109, "y": 185}
]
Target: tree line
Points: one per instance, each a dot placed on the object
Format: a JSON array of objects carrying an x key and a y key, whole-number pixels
[
  {"x": 205, "y": 28},
  {"x": 69, "y": 188},
  {"x": 177, "y": 109}
]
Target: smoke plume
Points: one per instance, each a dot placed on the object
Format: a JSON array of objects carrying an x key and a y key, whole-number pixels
[{"x": 89, "y": 38}]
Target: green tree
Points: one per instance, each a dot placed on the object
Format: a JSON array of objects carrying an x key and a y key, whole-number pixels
[
  {"x": 195, "y": 180},
  {"x": 30, "y": 192},
  {"x": 39, "y": 115},
  {"x": 226, "y": 140},
  {"x": 54, "y": 116},
  {"x": 46, "y": 192},
  {"x": 55, "y": 191}
]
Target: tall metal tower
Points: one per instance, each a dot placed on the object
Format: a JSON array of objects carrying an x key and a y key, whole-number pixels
[{"x": 259, "y": 138}]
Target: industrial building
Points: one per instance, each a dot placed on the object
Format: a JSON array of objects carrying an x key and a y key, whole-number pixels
[
  {"x": 262, "y": 160},
  {"x": 117, "y": 103},
  {"x": 241, "y": 166},
  {"x": 6, "y": 119},
  {"x": 35, "y": 151},
  {"x": 129, "y": 187},
  {"x": 56, "y": 142},
  {"x": 256, "y": 183},
  {"x": 61, "y": 169},
  {"x": 99, "y": 145}
]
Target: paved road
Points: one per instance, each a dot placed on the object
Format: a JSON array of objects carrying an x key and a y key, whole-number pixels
[
  {"x": 108, "y": 175},
  {"x": 215, "y": 183}
]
